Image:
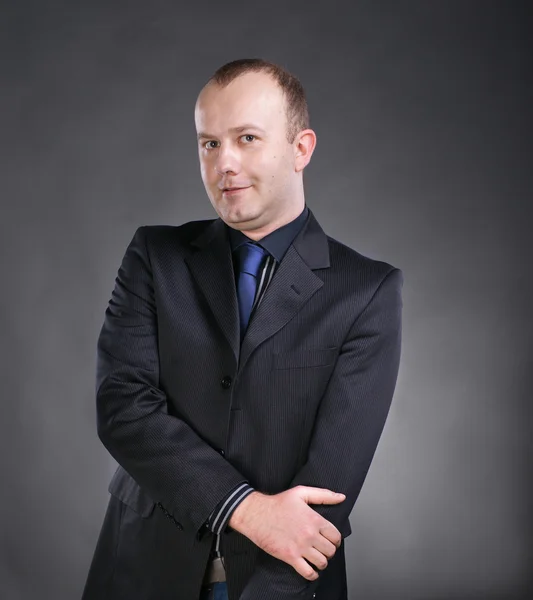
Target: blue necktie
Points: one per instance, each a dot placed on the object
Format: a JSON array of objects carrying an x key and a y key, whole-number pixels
[{"x": 249, "y": 259}]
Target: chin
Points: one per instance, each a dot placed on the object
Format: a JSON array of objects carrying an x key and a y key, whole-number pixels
[{"x": 242, "y": 214}]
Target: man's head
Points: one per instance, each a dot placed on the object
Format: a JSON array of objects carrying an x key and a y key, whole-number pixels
[{"x": 253, "y": 133}]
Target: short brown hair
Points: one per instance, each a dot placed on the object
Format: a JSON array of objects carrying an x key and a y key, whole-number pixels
[{"x": 296, "y": 103}]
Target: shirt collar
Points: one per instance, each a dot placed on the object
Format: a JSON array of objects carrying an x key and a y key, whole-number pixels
[{"x": 277, "y": 242}]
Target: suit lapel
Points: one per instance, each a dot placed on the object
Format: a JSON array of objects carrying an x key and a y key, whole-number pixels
[
  {"x": 291, "y": 287},
  {"x": 212, "y": 268}
]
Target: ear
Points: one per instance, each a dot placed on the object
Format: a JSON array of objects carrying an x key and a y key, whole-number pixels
[{"x": 304, "y": 145}]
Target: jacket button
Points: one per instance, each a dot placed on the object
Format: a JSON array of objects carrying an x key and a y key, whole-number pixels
[
  {"x": 222, "y": 452},
  {"x": 226, "y": 382}
]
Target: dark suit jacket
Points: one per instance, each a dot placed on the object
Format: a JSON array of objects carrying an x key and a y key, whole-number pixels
[{"x": 188, "y": 413}]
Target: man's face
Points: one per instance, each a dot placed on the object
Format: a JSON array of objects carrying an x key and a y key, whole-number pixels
[{"x": 242, "y": 143}]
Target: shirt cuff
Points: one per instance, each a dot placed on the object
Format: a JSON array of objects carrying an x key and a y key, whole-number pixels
[{"x": 221, "y": 514}]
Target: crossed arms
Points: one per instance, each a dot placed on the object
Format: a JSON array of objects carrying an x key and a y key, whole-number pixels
[{"x": 171, "y": 462}]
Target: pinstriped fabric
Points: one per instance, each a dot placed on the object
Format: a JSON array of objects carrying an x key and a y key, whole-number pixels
[
  {"x": 277, "y": 243},
  {"x": 302, "y": 401},
  {"x": 221, "y": 515}
]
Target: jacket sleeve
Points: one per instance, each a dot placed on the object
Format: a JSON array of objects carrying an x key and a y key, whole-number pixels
[
  {"x": 218, "y": 519},
  {"x": 162, "y": 453},
  {"x": 348, "y": 425}
]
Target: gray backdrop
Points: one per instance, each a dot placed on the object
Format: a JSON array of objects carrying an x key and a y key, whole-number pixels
[{"x": 423, "y": 158}]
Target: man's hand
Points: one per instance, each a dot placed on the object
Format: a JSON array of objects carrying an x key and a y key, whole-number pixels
[{"x": 284, "y": 526}]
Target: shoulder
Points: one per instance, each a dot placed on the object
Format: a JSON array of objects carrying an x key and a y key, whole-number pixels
[
  {"x": 156, "y": 236},
  {"x": 359, "y": 269}
]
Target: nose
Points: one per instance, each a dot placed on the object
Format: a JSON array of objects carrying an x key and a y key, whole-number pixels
[{"x": 227, "y": 160}]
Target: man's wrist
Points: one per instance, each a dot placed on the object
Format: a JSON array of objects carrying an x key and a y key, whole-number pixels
[
  {"x": 218, "y": 521},
  {"x": 237, "y": 520}
]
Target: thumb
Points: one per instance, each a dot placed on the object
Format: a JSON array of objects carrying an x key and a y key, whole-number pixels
[{"x": 314, "y": 495}]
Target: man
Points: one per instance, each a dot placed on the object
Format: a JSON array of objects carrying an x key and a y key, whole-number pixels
[{"x": 246, "y": 367}]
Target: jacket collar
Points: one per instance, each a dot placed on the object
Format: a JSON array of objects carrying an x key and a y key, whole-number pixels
[
  {"x": 277, "y": 242},
  {"x": 292, "y": 285}
]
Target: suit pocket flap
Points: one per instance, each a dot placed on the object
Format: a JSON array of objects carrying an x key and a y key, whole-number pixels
[
  {"x": 128, "y": 491},
  {"x": 313, "y": 357}
]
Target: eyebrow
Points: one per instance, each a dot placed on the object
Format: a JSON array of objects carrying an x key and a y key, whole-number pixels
[{"x": 202, "y": 135}]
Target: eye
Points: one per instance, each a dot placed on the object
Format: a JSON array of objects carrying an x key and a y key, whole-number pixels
[
  {"x": 206, "y": 144},
  {"x": 248, "y": 135}
]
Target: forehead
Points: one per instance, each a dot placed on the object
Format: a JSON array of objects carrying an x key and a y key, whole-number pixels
[{"x": 250, "y": 98}]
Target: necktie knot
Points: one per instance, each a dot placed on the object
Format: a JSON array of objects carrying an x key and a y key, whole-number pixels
[{"x": 250, "y": 257}]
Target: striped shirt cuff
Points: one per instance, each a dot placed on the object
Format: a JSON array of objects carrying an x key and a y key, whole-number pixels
[{"x": 220, "y": 516}]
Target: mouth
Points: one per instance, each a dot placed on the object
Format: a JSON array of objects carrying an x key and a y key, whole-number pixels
[{"x": 233, "y": 190}]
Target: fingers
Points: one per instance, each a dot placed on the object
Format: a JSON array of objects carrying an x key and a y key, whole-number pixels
[
  {"x": 302, "y": 567},
  {"x": 330, "y": 535},
  {"x": 318, "y": 555},
  {"x": 327, "y": 545},
  {"x": 314, "y": 495},
  {"x": 316, "y": 558}
]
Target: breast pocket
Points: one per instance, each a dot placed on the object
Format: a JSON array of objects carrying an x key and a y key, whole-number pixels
[{"x": 302, "y": 359}]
